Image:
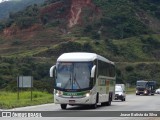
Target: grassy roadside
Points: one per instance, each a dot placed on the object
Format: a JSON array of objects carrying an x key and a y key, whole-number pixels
[
  {"x": 9, "y": 100},
  {"x": 131, "y": 90}
]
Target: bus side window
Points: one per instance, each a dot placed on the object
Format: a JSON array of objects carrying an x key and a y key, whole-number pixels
[{"x": 107, "y": 69}]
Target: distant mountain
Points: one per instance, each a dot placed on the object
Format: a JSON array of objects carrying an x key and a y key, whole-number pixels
[
  {"x": 3, "y": 1},
  {"x": 7, "y": 6}
]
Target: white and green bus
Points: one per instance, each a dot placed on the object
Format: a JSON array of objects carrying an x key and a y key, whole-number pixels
[{"x": 83, "y": 79}]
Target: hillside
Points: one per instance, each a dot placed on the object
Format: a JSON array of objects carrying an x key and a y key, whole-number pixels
[{"x": 125, "y": 31}]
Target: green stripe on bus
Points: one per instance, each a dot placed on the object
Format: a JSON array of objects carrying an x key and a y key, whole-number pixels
[{"x": 75, "y": 93}]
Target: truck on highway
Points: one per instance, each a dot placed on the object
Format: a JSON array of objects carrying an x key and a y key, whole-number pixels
[
  {"x": 145, "y": 87},
  {"x": 83, "y": 79},
  {"x": 120, "y": 93}
]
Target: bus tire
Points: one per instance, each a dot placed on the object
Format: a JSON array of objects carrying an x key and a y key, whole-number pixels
[
  {"x": 108, "y": 103},
  {"x": 109, "y": 99},
  {"x": 63, "y": 106},
  {"x": 94, "y": 106},
  {"x": 104, "y": 104}
]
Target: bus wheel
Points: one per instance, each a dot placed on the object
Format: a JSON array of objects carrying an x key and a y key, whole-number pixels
[
  {"x": 63, "y": 106},
  {"x": 108, "y": 103},
  {"x": 109, "y": 99},
  {"x": 104, "y": 104},
  {"x": 94, "y": 106}
]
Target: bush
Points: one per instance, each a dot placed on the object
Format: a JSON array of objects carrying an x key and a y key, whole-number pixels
[
  {"x": 52, "y": 24},
  {"x": 88, "y": 29},
  {"x": 150, "y": 44},
  {"x": 16, "y": 42},
  {"x": 87, "y": 47},
  {"x": 112, "y": 47},
  {"x": 25, "y": 22},
  {"x": 95, "y": 35},
  {"x": 129, "y": 68}
]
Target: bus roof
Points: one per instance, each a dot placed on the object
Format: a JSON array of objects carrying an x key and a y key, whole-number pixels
[
  {"x": 142, "y": 81},
  {"x": 81, "y": 57},
  {"x": 146, "y": 81}
]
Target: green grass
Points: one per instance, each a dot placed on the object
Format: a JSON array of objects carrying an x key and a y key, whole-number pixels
[
  {"x": 131, "y": 90},
  {"x": 9, "y": 99}
]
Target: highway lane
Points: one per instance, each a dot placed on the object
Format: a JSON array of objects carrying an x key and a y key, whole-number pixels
[{"x": 132, "y": 103}]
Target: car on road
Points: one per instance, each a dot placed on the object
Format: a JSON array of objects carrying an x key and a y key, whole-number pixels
[
  {"x": 120, "y": 92},
  {"x": 157, "y": 91}
]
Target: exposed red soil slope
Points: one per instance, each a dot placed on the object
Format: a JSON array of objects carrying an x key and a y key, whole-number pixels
[{"x": 76, "y": 10}]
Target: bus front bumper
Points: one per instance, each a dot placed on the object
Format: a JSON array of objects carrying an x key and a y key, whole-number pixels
[
  {"x": 144, "y": 92},
  {"x": 74, "y": 100}
]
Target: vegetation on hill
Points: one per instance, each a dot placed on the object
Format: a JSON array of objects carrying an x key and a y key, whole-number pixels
[{"x": 124, "y": 31}]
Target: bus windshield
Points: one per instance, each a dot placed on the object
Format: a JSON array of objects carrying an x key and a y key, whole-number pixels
[
  {"x": 73, "y": 75},
  {"x": 141, "y": 84}
]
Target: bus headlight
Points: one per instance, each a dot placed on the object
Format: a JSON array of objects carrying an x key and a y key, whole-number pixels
[
  {"x": 145, "y": 92},
  {"x": 58, "y": 93},
  {"x": 87, "y": 94}
]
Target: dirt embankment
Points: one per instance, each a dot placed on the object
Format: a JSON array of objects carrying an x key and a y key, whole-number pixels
[{"x": 76, "y": 10}]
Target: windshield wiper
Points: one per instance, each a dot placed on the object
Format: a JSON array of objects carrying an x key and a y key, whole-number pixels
[
  {"x": 69, "y": 80},
  {"x": 75, "y": 81}
]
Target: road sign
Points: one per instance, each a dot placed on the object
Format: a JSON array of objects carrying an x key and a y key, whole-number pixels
[{"x": 25, "y": 81}]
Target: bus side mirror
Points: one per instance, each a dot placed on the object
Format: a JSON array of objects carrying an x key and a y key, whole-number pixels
[
  {"x": 52, "y": 71},
  {"x": 93, "y": 70}
]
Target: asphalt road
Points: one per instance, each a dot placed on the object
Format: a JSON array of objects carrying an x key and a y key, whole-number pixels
[{"x": 133, "y": 104}]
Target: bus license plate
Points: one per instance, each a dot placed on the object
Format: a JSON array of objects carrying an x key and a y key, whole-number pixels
[{"x": 71, "y": 101}]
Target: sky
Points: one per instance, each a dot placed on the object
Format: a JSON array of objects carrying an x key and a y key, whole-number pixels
[{"x": 3, "y": 0}]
